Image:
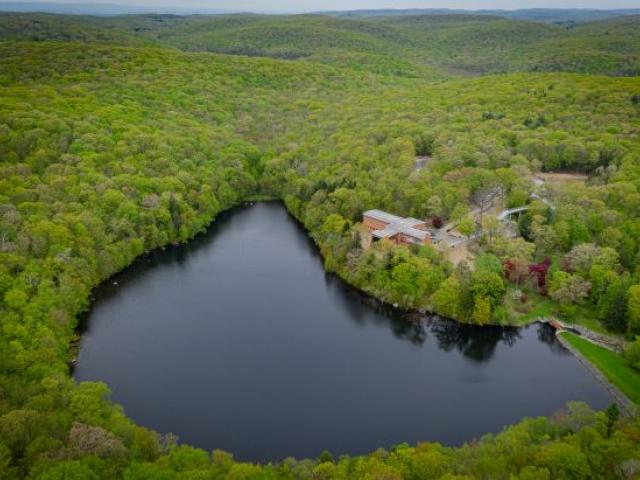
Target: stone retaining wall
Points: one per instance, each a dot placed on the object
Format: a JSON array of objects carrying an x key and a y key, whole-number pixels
[{"x": 606, "y": 341}]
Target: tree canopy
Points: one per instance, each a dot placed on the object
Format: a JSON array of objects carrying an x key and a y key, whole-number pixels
[{"x": 108, "y": 151}]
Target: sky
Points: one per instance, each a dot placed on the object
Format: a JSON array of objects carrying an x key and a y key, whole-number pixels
[{"x": 317, "y": 5}]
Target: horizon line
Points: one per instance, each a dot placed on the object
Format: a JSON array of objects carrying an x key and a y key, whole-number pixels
[{"x": 227, "y": 11}]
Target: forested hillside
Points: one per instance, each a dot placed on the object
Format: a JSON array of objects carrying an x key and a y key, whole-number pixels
[
  {"x": 486, "y": 44},
  {"x": 40, "y": 27},
  {"x": 107, "y": 151},
  {"x": 425, "y": 46},
  {"x": 546, "y": 15}
]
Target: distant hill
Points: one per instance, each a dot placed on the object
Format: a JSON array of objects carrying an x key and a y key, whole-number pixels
[
  {"x": 45, "y": 26},
  {"x": 578, "y": 15},
  {"x": 546, "y": 15},
  {"x": 100, "y": 9},
  {"x": 480, "y": 44},
  {"x": 427, "y": 46},
  {"x": 348, "y": 43}
]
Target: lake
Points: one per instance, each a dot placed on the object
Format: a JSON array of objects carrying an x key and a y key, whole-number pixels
[{"x": 240, "y": 341}]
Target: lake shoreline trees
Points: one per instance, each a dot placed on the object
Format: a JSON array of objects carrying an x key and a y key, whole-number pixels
[{"x": 107, "y": 152}]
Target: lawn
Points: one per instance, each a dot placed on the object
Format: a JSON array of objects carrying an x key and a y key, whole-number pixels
[
  {"x": 536, "y": 306},
  {"x": 542, "y": 308},
  {"x": 585, "y": 317},
  {"x": 612, "y": 365},
  {"x": 539, "y": 306}
]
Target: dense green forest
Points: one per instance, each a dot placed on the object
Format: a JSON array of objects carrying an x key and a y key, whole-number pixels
[
  {"x": 424, "y": 46},
  {"x": 138, "y": 137},
  {"x": 560, "y": 16}
]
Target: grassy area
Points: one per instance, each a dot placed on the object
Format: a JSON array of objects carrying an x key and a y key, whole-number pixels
[
  {"x": 612, "y": 365},
  {"x": 585, "y": 318},
  {"x": 538, "y": 306},
  {"x": 534, "y": 308},
  {"x": 542, "y": 308}
]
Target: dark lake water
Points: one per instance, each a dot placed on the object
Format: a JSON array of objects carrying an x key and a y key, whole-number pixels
[{"x": 240, "y": 341}]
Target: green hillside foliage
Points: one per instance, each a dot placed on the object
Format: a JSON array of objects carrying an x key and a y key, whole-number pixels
[
  {"x": 473, "y": 44},
  {"x": 609, "y": 46},
  {"x": 408, "y": 45},
  {"x": 486, "y": 44},
  {"x": 41, "y": 27},
  {"x": 109, "y": 151},
  {"x": 359, "y": 45},
  {"x": 424, "y": 46},
  {"x": 546, "y": 15}
]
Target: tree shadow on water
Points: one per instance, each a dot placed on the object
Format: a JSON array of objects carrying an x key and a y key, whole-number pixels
[
  {"x": 547, "y": 335},
  {"x": 474, "y": 342}
]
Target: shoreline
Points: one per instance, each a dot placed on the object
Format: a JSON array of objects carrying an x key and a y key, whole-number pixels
[
  {"x": 626, "y": 405},
  {"x": 412, "y": 315}
]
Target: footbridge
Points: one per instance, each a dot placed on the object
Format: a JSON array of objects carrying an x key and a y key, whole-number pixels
[{"x": 511, "y": 211}]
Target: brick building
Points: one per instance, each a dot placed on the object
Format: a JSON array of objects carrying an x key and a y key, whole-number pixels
[{"x": 402, "y": 231}]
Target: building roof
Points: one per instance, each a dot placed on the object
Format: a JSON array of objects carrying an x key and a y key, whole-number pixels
[
  {"x": 391, "y": 218},
  {"x": 385, "y": 233},
  {"x": 396, "y": 225},
  {"x": 411, "y": 232}
]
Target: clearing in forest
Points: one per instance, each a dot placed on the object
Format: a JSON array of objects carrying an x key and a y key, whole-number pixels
[{"x": 564, "y": 177}]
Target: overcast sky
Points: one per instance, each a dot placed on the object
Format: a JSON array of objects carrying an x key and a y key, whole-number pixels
[{"x": 315, "y": 5}]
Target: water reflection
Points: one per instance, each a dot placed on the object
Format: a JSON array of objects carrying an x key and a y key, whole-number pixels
[
  {"x": 240, "y": 340},
  {"x": 474, "y": 342}
]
